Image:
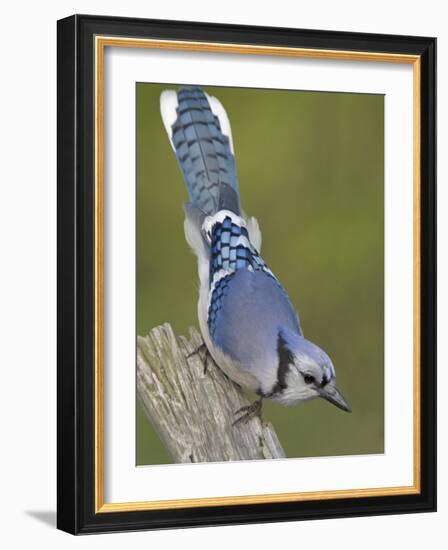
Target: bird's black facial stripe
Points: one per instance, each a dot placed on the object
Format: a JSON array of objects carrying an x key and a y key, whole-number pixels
[
  {"x": 324, "y": 381},
  {"x": 285, "y": 359},
  {"x": 309, "y": 379}
]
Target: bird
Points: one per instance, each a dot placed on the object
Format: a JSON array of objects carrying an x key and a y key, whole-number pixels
[{"x": 247, "y": 321}]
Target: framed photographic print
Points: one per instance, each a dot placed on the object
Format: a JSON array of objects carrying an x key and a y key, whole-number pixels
[{"x": 246, "y": 274}]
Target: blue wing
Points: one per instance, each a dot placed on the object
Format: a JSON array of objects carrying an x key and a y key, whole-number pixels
[
  {"x": 247, "y": 303},
  {"x": 247, "y": 318}
]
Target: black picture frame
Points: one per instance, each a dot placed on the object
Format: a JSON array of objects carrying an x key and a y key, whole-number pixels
[{"x": 76, "y": 511}]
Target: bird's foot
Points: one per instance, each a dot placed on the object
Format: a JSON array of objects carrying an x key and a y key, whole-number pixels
[
  {"x": 202, "y": 348},
  {"x": 203, "y": 353},
  {"x": 249, "y": 412}
]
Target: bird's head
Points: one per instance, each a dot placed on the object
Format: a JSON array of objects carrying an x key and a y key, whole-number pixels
[{"x": 305, "y": 371}]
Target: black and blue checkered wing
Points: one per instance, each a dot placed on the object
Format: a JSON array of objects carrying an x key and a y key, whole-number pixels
[
  {"x": 231, "y": 253},
  {"x": 247, "y": 304}
]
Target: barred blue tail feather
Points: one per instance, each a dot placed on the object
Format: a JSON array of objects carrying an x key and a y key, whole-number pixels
[{"x": 200, "y": 135}]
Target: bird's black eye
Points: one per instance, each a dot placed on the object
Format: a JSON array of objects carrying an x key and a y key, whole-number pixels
[{"x": 309, "y": 379}]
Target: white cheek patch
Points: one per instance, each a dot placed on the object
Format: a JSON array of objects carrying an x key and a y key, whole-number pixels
[
  {"x": 219, "y": 111},
  {"x": 168, "y": 110}
]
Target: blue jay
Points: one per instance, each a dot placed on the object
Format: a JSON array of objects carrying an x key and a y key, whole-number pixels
[{"x": 247, "y": 321}]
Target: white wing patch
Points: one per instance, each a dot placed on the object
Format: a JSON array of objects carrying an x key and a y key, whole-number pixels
[
  {"x": 168, "y": 106},
  {"x": 254, "y": 233},
  {"x": 219, "y": 111}
]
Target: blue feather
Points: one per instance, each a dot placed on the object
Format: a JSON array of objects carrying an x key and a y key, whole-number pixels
[
  {"x": 246, "y": 285},
  {"x": 246, "y": 314},
  {"x": 204, "y": 155}
]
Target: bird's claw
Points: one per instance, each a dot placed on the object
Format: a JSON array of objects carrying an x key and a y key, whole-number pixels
[
  {"x": 201, "y": 349},
  {"x": 249, "y": 412}
]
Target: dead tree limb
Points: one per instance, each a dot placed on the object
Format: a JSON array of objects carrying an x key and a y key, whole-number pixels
[{"x": 193, "y": 410}]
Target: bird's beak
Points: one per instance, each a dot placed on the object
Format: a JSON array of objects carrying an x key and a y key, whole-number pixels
[{"x": 333, "y": 395}]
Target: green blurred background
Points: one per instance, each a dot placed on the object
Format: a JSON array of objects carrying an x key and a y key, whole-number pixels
[{"x": 310, "y": 168}]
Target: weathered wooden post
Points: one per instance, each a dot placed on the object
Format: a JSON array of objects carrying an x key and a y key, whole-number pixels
[{"x": 192, "y": 410}]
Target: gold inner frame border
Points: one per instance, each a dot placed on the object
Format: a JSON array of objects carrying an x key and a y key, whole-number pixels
[{"x": 100, "y": 44}]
